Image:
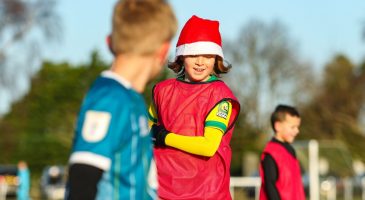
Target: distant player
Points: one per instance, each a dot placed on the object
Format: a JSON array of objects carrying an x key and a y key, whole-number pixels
[
  {"x": 24, "y": 181},
  {"x": 112, "y": 149},
  {"x": 280, "y": 169}
]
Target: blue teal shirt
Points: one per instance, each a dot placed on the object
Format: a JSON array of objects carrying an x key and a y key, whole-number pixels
[{"x": 112, "y": 134}]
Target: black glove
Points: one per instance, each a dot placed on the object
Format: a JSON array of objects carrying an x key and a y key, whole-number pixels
[{"x": 159, "y": 134}]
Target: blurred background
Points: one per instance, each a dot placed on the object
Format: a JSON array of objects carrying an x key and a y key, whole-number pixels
[{"x": 308, "y": 54}]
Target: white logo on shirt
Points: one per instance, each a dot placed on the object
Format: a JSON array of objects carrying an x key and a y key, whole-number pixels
[
  {"x": 96, "y": 125},
  {"x": 143, "y": 125}
]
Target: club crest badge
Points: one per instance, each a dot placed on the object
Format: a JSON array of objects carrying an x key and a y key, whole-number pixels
[
  {"x": 95, "y": 126},
  {"x": 223, "y": 109}
]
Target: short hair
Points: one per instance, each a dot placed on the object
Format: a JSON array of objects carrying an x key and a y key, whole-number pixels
[
  {"x": 141, "y": 26},
  {"x": 219, "y": 66},
  {"x": 280, "y": 113}
]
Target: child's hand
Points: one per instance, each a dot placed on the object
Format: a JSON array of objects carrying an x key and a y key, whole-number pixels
[{"x": 159, "y": 134}]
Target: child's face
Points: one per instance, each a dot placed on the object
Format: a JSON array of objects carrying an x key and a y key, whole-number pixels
[
  {"x": 287, "y": 130},
  {"x": 198, "y": 68}
]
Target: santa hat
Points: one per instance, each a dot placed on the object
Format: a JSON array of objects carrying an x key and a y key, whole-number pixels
[{"x": 199, "y": 36}]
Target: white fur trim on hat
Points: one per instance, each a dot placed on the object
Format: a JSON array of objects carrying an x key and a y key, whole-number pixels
[{"x": 199, "y": 48}]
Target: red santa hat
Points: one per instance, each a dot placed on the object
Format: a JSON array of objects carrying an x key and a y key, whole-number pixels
[{"x": 199, "y": 36}]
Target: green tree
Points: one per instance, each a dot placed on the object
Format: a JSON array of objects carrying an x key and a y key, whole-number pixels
[
  {"x": 40, "y": 127},
  {"x": 335, "y": 111}
]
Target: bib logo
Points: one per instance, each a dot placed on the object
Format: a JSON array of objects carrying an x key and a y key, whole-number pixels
[{"x": 223, "y": 110}]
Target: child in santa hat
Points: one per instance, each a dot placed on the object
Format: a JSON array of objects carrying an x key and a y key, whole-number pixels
[{"x": 193, "y": 117}]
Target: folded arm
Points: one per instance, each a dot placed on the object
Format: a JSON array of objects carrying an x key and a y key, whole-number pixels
[{"x": 206, "y": 145}]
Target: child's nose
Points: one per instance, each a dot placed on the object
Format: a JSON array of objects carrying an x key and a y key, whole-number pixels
[{"x": 199, "y": 60}]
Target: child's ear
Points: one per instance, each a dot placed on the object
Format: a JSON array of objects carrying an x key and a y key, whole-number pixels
[
  {"x": 277, "y": 126},
  {"x": 163, "y": 51},
  {"x": 109, "y": 43}
]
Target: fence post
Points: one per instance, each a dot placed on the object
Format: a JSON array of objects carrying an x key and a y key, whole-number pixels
[{"x": 313, "y": 170}]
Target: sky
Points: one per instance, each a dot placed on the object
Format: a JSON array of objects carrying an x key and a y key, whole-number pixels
[{"x": 320, "y": 28}]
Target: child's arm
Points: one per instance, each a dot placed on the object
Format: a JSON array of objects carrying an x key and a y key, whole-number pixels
[
  {"x": 207, "y": 145},
  {"x": 270, "y": 176}
]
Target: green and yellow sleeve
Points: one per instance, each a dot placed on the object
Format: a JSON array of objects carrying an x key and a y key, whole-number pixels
[{"x": 152, "y": 116}]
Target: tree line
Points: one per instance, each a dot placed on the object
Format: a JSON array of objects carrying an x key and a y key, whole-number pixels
[{"x": 40, "y": 126}]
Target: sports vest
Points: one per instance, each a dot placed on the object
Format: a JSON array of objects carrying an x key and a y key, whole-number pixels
[
  {"x": 182, "y": 108},
  {"x": 289, "y": 183}
]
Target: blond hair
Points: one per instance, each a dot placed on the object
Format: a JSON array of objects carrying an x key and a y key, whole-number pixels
[{"x": 141, "y": 26}]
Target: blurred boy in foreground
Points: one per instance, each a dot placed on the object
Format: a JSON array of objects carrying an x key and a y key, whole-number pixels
[{"x": 112, "y": 148}]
